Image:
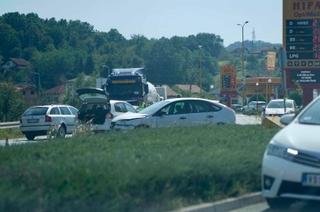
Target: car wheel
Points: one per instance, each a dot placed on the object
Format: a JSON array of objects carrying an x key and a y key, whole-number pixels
[
  {"x": 61, "y": 132},
  {"x": 279, "y": 203},
  {"x": 30, "y": 136}
]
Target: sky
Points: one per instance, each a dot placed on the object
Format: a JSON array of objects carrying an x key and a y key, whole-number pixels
[{"x": 165, "y": 18}]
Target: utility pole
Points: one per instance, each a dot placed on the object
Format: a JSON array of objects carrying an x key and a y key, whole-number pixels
[
  {"x": 200, "y": 72},
  {"x": 242, "y": 62}
]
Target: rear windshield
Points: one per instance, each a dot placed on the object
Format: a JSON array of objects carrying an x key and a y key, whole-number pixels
[
  {"x": 280, "y": 104},
  {"x": 36, "y": 111}
]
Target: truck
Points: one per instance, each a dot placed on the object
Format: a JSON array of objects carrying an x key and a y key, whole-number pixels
[
  {"x": 162, "y": 91},
  {"x": 131, "y": 85}
]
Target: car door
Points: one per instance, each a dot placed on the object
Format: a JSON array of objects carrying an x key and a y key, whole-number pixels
[
  {"x": 55, "y": 115},
  {"x": 119, "y": 108},
  {"x": 130, "y": 108},
  {"x": 174, "y": 114},
  {"x": 68, "y": 118},
  {"x": 204, "y": 112}
]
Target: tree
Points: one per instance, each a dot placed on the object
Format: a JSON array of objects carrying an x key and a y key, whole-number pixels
[
  {"x": 12, "y": 104},
  {"x": 8, "y": 40}
]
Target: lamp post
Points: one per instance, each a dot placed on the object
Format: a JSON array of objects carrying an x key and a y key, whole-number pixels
[
  {"x": 267, "y": 89},
  {"x": 38, "y": 81},
  {"x": 242, "y": 61},
  {"x": 200, "y": 73},
  {"x": 257, "y": 97}
]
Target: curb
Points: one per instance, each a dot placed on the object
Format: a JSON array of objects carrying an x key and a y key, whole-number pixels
[{"x": 226, "y": 205}]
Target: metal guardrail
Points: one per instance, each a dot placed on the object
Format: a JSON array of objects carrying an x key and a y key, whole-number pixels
[{"x": 13, "y": 124}]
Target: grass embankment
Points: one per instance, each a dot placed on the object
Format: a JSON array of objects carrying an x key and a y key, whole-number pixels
[
  {"x": 10, "y": 133},
  {"x": 141, "y": 170}
]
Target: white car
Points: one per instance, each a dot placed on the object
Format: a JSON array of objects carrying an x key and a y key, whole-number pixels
[
  {"x": 253, "y": 107},
  {"x": 177, "y": 112},
  {"x": 291, "y": 163},
  {"x": 98, "y": 110},
  {"x": 38, "y": 120},
  {"x": 278, "y": 107},
  {"x": 120, "y": 107}
]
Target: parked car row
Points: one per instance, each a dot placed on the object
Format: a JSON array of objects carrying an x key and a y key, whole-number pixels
[
  {"x": 275, "y": 107},
  {"x": 101, "y": 114}
]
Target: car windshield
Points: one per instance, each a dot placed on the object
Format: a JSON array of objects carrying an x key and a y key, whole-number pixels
[
  {"x": 280, "y": 104},
  {"x": 311, "y": 115},
  {"x": 153, "y": 108},
  {"x": 36, "y": 111}
]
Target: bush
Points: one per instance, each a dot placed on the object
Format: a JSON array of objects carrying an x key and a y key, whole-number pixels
[{"x": 141, "y": 170}]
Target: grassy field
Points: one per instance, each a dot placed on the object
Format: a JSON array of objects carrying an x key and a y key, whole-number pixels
[
  {"x": 141, "y": 170},
  {"x": 10, "y": 133}
]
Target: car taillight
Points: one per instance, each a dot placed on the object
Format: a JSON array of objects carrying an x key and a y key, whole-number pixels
[
  {"x": 48, "y": 118},
  {"x": 109, "y": 116}
]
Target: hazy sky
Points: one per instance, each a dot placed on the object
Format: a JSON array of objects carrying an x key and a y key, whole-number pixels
[{"x": 157, "y": 18}]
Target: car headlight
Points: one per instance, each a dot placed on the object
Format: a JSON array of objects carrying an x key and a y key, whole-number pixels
[{"x": 282, "y": 151}]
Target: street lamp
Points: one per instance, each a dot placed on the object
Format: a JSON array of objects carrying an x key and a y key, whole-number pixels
[
  {"x": 242, "y": 60},
  {"x": 267, "y": 89},
  {"x": 38, "y": 81},
  {"x": 257, "y": 97},
  {"x": 200, "y": 74}
]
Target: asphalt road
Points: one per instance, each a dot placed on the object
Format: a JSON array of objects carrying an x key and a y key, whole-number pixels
[
  {"x": 297, "y": 207},
  {"x": 247, "y": 120}
]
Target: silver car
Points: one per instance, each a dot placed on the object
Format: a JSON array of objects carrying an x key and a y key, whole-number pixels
[
  {"x": 39, "y": 120},
  {"x": 177, "y": 112}
]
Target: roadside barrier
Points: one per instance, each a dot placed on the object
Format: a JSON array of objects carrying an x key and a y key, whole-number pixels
[
  {"x": 13, "y": 124},
  {"x": 271, "y": 121}
]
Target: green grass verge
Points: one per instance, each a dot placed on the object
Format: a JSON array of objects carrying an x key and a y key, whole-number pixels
[
  {"x": 140, "y": 170},
  {"x": 10, "y": 133}
]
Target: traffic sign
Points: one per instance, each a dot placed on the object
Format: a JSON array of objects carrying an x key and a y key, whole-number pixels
[{"x": 301, "y": 38}]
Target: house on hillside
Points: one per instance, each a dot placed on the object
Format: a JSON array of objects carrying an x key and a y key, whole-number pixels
[
  {"x": 29, "y": 93},
  {"x": 193, "y": 89},
  {"x": 15, "y": 63},
  {"x": 170, "y": 93},
  {"x": 55, "y": 94}
]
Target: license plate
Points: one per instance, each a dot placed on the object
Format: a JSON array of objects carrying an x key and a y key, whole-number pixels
[
  {"x": 33, "y": 120},
  {"x": 311, "y": 180}
]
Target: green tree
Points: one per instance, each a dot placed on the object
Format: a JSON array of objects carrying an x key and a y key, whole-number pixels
[
  {"x": 12, "y": 104},
  {"x": 9, "y": 40}
]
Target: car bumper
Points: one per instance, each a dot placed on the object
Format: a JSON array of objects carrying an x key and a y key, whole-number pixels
[
  {"x": 283, "y": 178},
  {"x": 100, "y": 127},
  {"x": 35, "y": 128},
  {"x": 122, "y": 126}
]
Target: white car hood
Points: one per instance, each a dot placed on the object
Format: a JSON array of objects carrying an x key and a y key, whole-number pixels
[
  {"x": 277, "y": 111},
  {"x": 129, "y": 116},
  {"x": 299, "y": 136}
]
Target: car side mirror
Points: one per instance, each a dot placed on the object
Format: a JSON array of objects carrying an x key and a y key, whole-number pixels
[{"x": 287, "y": 118}]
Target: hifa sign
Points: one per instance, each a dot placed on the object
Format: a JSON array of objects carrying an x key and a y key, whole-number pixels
[{"x": 301, "y": 31}]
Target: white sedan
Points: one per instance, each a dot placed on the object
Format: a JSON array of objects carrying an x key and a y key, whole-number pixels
[
  {"x": 291, "y": 163},
  {"x": 177, "y": 112}
]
